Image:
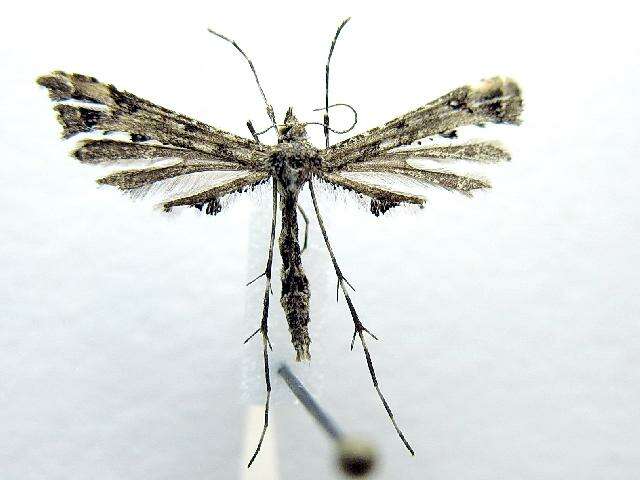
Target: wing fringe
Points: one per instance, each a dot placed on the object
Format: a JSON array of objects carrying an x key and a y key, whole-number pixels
[
  {"x": 450, "y": 181},
  {"x": 210, "y": 198},
  {"x": 381, "y": 199}
]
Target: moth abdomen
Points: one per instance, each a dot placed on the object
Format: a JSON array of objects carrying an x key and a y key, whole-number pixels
[{"x": 295, "y": 285}]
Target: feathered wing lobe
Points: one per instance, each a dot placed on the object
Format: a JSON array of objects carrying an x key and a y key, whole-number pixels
[
  {"x": 496, "y": 100},
  {"x": 140, "y": 177},
  {"x": 210, "y": 198},
  {"x": 113, "y": 152},
  {"x": 398, "y": 165},
  {"x": 381, "y": 199},
  {"x": 405, "y": 171},
  {"x": 481, "y": 152}
]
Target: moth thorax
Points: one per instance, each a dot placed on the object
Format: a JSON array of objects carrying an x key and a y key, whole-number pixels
[{"x": 293, "y": 163}]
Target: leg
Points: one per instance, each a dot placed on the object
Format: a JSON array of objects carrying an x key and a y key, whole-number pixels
[
  {"x": 263, "y": 324},
  {"x": 306, "y": 228},
  {"x": 359, "y": 329}
]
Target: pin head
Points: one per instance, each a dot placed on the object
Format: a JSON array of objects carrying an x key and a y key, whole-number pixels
[{"x": 356, "y": 457}]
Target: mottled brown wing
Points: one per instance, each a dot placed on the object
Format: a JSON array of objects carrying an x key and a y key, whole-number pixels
[
  {"x": 496, "y": 100},
  {"x": 185, "y": 154}
]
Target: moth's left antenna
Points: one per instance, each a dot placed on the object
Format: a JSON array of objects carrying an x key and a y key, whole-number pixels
[
  {"x": 270, "y": 113},
  {"x": 326, "y": 90}
]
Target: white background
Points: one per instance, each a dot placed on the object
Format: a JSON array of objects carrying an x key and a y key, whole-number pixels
[{"x": 508, "y": 323}]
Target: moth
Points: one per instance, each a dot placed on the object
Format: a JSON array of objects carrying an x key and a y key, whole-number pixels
[{"x": 186, "y": 158}]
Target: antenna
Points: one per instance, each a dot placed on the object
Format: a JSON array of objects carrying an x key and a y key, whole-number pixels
[
  {"x": 326, "y": 96},
  {"x": 264, "y": 97}
]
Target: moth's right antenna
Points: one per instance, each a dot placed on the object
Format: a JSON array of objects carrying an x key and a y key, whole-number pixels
[
  {"x": 264, "y": 97},
  {"x": 326, "y": 96}
]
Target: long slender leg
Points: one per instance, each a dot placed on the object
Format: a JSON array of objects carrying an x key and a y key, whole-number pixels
[
  {"x": 359, "y": 329},
  {"x": 306, "y": 228},
  {"x": 263, "y": 324}
]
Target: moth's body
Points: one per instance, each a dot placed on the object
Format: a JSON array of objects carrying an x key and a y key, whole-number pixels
[
  {"x": 197, "y": 151},
  {"x": 292, "y": 161}
]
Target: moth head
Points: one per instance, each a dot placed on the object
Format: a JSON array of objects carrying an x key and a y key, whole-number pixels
[{"x": 291, "y": 130}]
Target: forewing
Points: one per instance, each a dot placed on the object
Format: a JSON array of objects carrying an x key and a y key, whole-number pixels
[
  {"x": 496, "y": 100},
  {"x": 110, "y": 110}
]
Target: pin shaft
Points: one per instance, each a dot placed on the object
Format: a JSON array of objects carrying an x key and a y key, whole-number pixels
[{"x": 302, "y": 394}]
